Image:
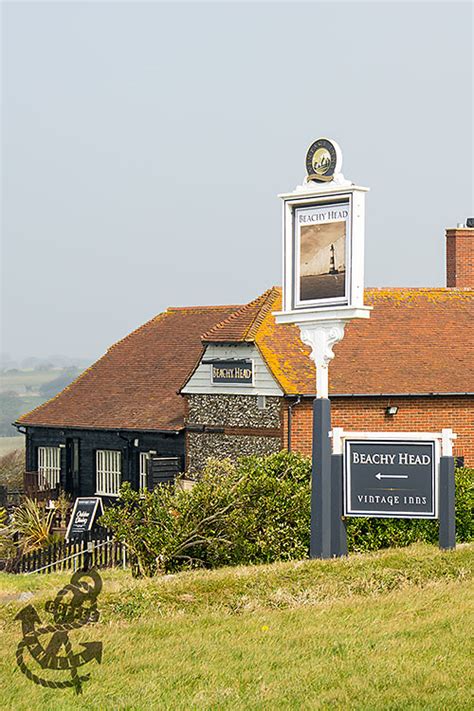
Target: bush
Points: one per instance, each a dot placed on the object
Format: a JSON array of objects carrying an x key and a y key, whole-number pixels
[
  {"x": 32, "y": 525},
  {"x": 367, "y": 534},
  {"x": 254, "y": 511},
  {"x": 271, "y": 521},
  {"x": 168, "y": 528}
]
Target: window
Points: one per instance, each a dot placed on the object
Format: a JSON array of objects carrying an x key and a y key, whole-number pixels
[
  {"x": 108, "y": 472},
  {"x": 49, "y": 467},
  {"x": 261, "y": 402},
  {"x": 144, "y": 457}
]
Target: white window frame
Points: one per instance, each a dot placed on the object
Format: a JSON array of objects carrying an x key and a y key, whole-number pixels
[
  {"x": 143, "y": 460},
  {"x": 108, "y": 471},
  {"x": 49, "y": 467}
]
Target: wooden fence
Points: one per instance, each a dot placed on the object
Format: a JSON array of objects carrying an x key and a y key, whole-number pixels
[{"x": 102, "y": 552}]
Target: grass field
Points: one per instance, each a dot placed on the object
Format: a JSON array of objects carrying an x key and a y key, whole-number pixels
[
  {"x": 22, "y": 379},
  {"x": 389, "y": 630}
]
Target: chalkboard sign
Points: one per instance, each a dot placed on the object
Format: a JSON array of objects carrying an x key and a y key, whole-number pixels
[{"x": 84, "y": 513}]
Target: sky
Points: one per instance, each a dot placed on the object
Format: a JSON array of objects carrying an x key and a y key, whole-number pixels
[{"x": 144, "y": 146}]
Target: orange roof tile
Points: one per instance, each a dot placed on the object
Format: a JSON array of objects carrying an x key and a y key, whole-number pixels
[
  {"x": 416, "y": 341},
  {"x": 134, "y": 385}
]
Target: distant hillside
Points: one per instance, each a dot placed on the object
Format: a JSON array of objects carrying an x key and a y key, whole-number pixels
[
  {"x": 21, "y": 390},
  {"x": 7, "y": 362}
]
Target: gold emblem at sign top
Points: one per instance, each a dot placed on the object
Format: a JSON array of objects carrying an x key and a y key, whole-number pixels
[{"x": 321, "y": 161}]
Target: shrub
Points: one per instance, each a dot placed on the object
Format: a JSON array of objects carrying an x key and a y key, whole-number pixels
[
  {"x": 365, "y": 534},
  {"x": 464, "y": 504},
  {"x": 254, "y": 511},
  {"x": 168, "y": 528},
  {"x": 271, "y": 521},
  {"x": 32, "y": 525}
]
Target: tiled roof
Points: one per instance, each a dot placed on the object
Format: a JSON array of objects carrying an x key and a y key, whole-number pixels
[
  {"x": 416, "y": 341},
  {"x": 134, "y": 385},
  {"x": 243, "y": 324}
]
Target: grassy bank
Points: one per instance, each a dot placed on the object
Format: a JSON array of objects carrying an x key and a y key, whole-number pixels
[{"x": 388, "y": 630}]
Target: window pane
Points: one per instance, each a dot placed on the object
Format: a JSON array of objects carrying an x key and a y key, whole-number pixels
[{"x": 108, "y": 469}]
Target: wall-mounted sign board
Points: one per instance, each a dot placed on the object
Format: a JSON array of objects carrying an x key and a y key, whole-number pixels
[
  {"x": 232, "y": 372},
  {"x": 84, "y": 514},
  {"x": 391, "y": 478}
]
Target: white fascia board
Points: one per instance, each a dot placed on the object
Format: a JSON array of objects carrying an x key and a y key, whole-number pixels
[{"x": 342, "y": 313}]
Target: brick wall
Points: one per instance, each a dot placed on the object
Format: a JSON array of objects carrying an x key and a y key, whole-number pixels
[
  {"x": 417, "y": 414},
  {"x": 460, "y": 257}
]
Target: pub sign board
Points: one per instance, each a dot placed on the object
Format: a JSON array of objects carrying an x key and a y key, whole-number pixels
[
  {"x": 232, "y": 372},
  {"x": 84, "y": 514},
  {"x": 390, "y": 479},
  {"x": 322, "y": 252}
]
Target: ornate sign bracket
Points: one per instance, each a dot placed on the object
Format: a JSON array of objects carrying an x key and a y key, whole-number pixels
[{"x": 322, "y": 337}]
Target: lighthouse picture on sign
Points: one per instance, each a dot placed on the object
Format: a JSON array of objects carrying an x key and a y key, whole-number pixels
[{"x": 321, "y": 233}]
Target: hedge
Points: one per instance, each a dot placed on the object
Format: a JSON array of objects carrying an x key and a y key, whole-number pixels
[{"x": 256, "y": 510}]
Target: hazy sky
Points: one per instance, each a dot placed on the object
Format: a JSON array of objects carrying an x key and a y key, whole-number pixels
[{"x": 144, "y": 145}]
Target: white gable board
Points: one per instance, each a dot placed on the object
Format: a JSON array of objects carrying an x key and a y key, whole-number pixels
[{"x": 201, "y": 381}]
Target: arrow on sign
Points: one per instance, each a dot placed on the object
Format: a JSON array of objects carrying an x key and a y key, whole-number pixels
[{"x": 391, "y": 476}]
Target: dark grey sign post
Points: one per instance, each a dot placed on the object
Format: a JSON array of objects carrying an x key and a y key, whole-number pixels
[
  {"x": 328, "y": 532},
  {"x": 447, "y": 514}
]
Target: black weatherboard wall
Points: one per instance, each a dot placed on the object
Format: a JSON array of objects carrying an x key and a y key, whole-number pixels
[{"x": 78, "y": 456}]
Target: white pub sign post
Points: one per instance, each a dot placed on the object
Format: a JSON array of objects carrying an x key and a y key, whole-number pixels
[{"x": 323, "y": 288}]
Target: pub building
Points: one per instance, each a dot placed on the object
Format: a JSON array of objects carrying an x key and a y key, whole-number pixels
[{"x": 218, "y": 381}]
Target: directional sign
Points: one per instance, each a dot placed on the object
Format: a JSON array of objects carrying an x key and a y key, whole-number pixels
[{"x": 390, "y": 478}]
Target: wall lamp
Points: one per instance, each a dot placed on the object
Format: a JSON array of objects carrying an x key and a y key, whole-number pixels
[{"x": 391, "y": 410}]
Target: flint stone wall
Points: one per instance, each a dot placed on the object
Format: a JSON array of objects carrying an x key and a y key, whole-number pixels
[
  {"x": 233, "y": 411},
  {"x": 203, "y": 445}
]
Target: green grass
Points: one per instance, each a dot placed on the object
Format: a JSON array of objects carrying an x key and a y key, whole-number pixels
[{"x": 388, "y": 630}]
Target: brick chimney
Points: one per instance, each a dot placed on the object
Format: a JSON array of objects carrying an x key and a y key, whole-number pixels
[{"x": 460, "y": 256}]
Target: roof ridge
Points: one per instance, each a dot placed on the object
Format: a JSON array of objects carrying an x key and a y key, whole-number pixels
[
  {"x": 419, "y": 288},
  {"x": 222, "y": 307},
  {"x": 271, "y": 295},
  {"x": 236, "y": 314},
  {"x": 158, "y": 317}
]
